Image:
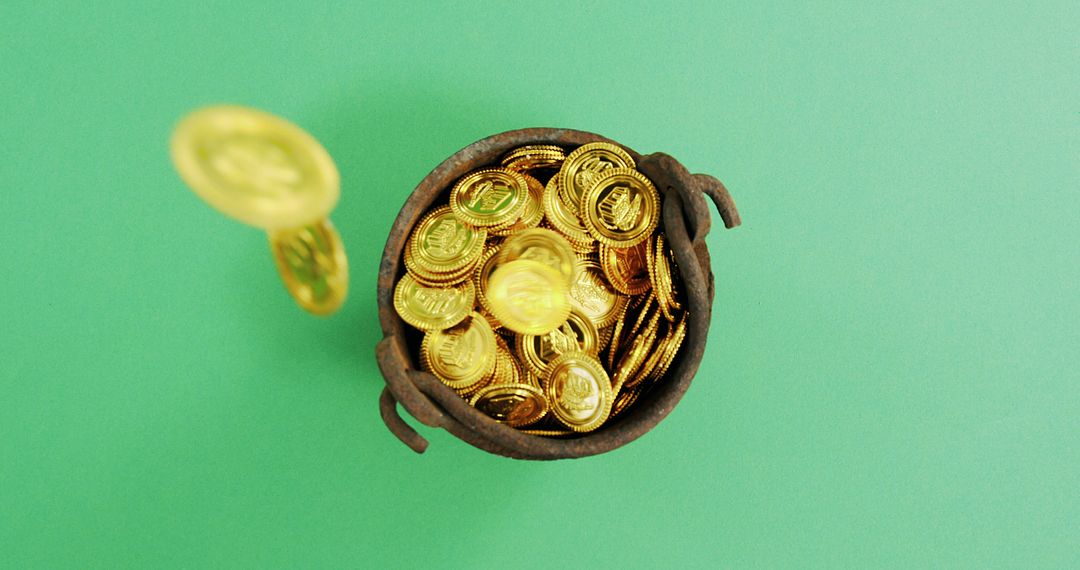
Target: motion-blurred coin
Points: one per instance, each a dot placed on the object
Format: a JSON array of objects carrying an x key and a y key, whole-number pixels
[
  {"x": 528, "y": 297},
  {"x": 255, "y": 167},
  {"x": 311, "y": 260},
  {"x": 542, "y": 245}
]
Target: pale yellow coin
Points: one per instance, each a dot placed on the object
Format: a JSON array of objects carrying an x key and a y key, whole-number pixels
[
  {"x": 312, "y": 262},
  {"x": 528, "y": 297},
  {"x": 255, "y": 167}
]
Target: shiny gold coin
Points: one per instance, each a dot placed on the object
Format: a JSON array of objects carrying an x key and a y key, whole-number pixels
[
  {"x": 625, "y": 375},
  {"x": 577, "y": 334},
  {"x": 621, "y": 208},
  {"x": 663, "y": 284},
  {"x": 591, "y": 294},
  {"x": 255, "y": 167},
  {"x": 528, "y": 297},
  {"x": 512, "y": 404},
  {"x": 542, "y": 245},
  {"x": 460, "y": 356},
  {"x": 627, "y": 269},
  {"x": 562, "y": 218},
  {"x": 578, "y": 391},
  {"x": 311, "y": 260},
  {"x": 533, "y": 212},
  {"x": 489, "y": 197},
  {"x": 672, "y": 344},
  {"x": 582, "y": 167},
  {"x": 432, "y": 308},
  {"x": 442, "y": 244},
  {"x": 534, "y": 157},
  {"x": 483, "y": 270},
  {"x": 624, "y": 400},
  {"x": 548, "y": 432}
]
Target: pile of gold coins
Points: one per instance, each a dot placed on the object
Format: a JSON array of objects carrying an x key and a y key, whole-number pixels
[{"x": 546, "y": 295}]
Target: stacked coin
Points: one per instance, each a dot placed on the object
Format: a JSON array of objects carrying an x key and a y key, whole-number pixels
[{"x": 547, "y": 296}]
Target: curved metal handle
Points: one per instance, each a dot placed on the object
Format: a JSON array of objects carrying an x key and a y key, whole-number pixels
[
  {"x": 717, "y": 192},
  {"x": 397, "y": 426}
]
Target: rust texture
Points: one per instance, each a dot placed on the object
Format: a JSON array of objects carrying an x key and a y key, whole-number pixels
[{"x": 686, "y": 222}]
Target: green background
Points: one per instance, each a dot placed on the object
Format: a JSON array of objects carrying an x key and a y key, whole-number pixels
[{"x": 892, "y": 373}]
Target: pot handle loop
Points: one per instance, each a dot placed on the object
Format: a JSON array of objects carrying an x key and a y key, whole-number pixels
[
  {"x": 717, "y": 192},
  {"x": 397, "y": 426}
]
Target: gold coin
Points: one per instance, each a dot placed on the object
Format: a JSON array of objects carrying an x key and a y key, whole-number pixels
[
  {"x": 627, "y": 269},
  {"x": 578, "y": 391},
  {"x": 255, "y": 167},
  {"x": 528, "y": 297},
  {"x": 663, "y": 285},
  {"x": 442, "y": 244},
  {"x": 489, "y": 197},
  {"x": 512, "y": 404},
  {"x": 544, "y": 246},
  {"x": 534, "y": 157},
  {"x": 591, "y": 294},
  {"x": 548, "y": 432},
  {"x": 460, "y": 356},
  {"x": 635, "y": 356},
  {"x": 533, "y": 212},
  {"x": 432, "y": 308},
  {"x": 488, "y": 261},
  {"x": 311, "y": 260},
  {"x": 576, "y": 334},
  {"x": 584, "y": 165},
  {"x": 624, "y": 400},
  {"x": 562, "y": 218},
  {"x": 672, "y": 344},
  {"x": 621, "y": 208}
]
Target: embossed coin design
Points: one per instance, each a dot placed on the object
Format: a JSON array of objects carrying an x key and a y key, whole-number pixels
[
  {"x": 460, "y": 356},
  {"x": 627, "y": 269},
  {"x": 584, "y": 164},
  {"x": 578, "y": 391},
  {"x": 576, "y": 334},
  {"x": 590, "y": 294},
  {"x": 622, "y": 208},
  {"x": 442, "y": 244},
  {"x": 432, "y": 308},
  {"x": 512, "y": 404},
  {"x": 255, "y": 167},
  {"x": 489, "y": 197},
  {"x": 312, "y": 263},
  {"x": 528, "y": 297}
]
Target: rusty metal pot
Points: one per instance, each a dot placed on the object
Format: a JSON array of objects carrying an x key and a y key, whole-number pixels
[{"x": 685, "y": 220}]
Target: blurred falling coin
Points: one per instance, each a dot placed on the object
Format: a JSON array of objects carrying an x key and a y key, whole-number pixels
[
  {"x": 269, "y": 173},
  {"x": 311, "y": 261}
]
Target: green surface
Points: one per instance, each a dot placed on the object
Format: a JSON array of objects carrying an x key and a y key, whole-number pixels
[{"x": 892, "y": 377}]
